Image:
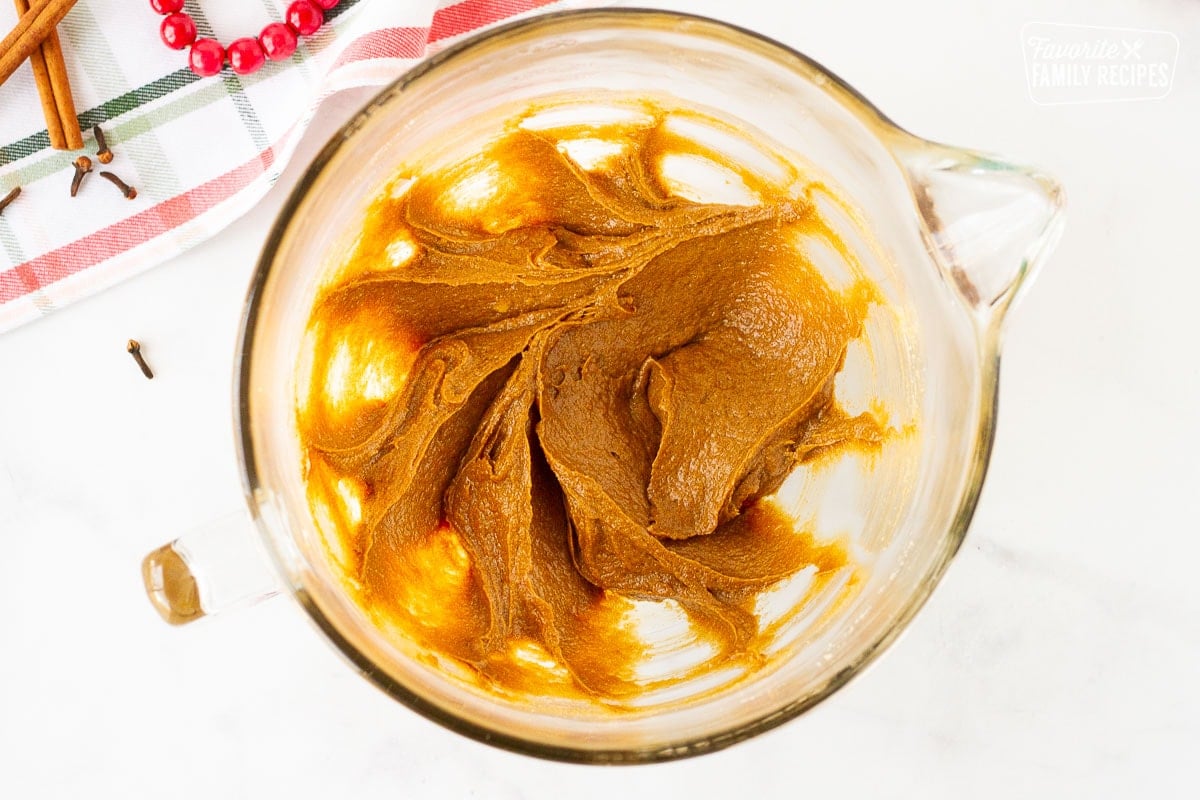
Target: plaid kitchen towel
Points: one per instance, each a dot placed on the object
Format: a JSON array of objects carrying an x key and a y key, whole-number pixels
[{"x": 201, "y": 151}]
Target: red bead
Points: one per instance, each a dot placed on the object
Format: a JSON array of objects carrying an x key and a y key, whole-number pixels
[
  {"x": 305, "y": 17},
  {"x": 178, "y": 31},
  {"x": 326, "y": 4},
  {"x": 278, "y": 41},
  {"x": 246, "y": 56},
  {"x": 166, "y": 6},
  {"x": 206, "y": 57}
]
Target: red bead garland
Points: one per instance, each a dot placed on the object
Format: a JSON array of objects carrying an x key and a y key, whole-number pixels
[
  {"x": 178, "y": 31},
  {"x": 305, "y": 17},
  {"x": 277, "y": 41},
  {"x": 206, "y": 57},
  {"x": 246, "y": 56}
]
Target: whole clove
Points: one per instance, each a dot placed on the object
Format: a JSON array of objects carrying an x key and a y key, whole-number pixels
[
  {"x": 103, "y": 153},
  {"x": 8, "y": 198},
  {"x": 127, "y": 190},
  {"x": 83, "y": 165},
  {"x": 135, "y": 349}
]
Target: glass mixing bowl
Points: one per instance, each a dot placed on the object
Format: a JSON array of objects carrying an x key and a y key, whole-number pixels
[{"x": 951, "y": 236}]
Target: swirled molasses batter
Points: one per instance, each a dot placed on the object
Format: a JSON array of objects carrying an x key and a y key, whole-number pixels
[{"x": 540, "y": 390}]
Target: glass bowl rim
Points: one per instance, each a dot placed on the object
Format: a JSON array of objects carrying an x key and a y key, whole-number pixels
[{"x": 687, "y": 745}]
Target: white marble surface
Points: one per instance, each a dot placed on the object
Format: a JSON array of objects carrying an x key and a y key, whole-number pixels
[{"x": 1060, "y": 657}]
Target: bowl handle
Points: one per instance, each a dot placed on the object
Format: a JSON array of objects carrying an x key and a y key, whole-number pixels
[
  {"x": 213, "y": 568},
  {"x": 988, "y": 223}
]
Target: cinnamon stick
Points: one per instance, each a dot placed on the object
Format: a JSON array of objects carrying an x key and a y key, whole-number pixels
[
  {"x": 41, "y": 76},
  {"x": 56, "y": 65},
  {"x": 32, "y": 29}
]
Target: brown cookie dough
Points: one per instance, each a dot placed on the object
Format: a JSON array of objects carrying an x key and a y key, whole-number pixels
[{"x": 596, "y": 387}]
